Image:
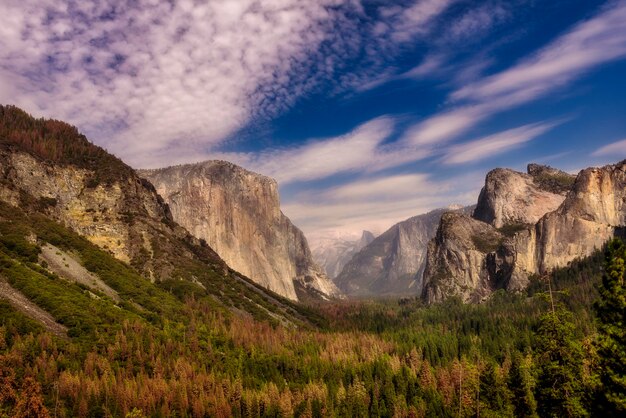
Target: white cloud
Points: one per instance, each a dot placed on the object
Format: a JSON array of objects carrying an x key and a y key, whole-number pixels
[
  {"x": 151, "y": 80},
  {"x": 156, "y": 76},
  {"x": 387, "y": 187},
  {"x": 616, "y": 149},
  {"x": 446, "y": 125},
  {"x": 363, "y": 150},
  {"x": 376, "y": 203},
  {"x": 476, "y": 22},
  {"x": 586, "y": 46},
  {"x": 427, "y": 68},
  {"x": 495, "y": 144},
  {"x": 402, "y": 24},
  {"x": 321, "y": 158},
  {"x": 589, "y": 44}
]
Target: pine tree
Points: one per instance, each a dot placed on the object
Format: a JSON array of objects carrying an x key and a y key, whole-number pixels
[
  {"x": 559, "y": 362},
  {"x": 493, "y": 393},
  {"x": 30, "y": 401},
  {"x": 521, "y": 388},
  {"x": 611, "y": 343}
]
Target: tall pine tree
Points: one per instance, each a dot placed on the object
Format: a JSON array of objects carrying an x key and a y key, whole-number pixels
[
  {"x": 521, "y": 386},
  {"x": 611, "y": 342},
  {"x": 559, "y": 362}
]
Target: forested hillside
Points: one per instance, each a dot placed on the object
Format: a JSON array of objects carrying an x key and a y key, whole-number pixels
[
  {"x": 108, "y": 308},
  {"x": 181, "y": 354}
]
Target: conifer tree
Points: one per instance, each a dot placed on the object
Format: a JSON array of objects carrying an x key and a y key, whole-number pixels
[
  {"x": 30, "y": 401},
  {"x": 521, "y": 387},
  {"x": 611, "y": 343},
  {"x": 493, "y": 393},
  {"x": 559, "y": 362}
]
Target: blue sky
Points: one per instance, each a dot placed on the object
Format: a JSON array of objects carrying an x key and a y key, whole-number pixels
[{"x": 366, "y": 111}]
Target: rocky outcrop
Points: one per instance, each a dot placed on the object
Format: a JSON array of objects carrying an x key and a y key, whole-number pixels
[
  {"x": 237, "y": 212},
  {"x": 457, "y": 262},
  {"x": 533, "y": 236},
  {"x": 333, "y": 253},
  {"x": 592, "y": 213},
  {"x": 513, "y": 198},
  {"x": 393, "y": 263},
  {"x": 123, "y": 215}
]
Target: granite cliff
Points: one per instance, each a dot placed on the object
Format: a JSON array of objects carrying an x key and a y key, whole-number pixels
[
  {"x": 524, "y": 224},
  {"x": 237, "y": 212},
  {"x": 393, "y": 263}
]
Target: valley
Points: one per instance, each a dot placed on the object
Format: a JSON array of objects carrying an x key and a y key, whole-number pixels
[{"x": 185, "y": 291}]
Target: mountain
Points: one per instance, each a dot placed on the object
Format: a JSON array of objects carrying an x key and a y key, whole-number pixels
[
  {"x": 513, "y": 198},
  {"x": 237, "y": 212},
  {"x": 72, "y": 211},
  {"x": 392, "y": 264},
  {"x": 158, "y": 325},
  {"x": 333, "y": 253},
  {"x": 524, "y": 225}
]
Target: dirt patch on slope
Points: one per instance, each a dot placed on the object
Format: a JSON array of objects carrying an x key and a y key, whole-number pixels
[
  {"x": 66, "y": 266},
  {"x": 24, "y": 305}
]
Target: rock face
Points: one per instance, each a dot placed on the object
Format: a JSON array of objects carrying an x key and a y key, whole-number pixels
[
  {"x": 592, "y": 213},
  {"x": 393, "y": 263},
  {"x": 512, "y": 198},
  {"x": 457, "y": 259},
  {"x": 527, "y": 231},
  {"x": 122, "y": 214},
  {"x": 237, "y": 213},
  {"x": 332, "y": 254}
]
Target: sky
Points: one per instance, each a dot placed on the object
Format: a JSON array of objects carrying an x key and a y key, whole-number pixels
[{"x": 366, "y": 112}]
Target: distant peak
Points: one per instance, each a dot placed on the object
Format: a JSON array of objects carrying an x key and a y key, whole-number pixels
[{"x": 367, "y": 234}]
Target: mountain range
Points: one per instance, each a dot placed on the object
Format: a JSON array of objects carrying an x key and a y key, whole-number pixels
[
  {"x": 72, "y": 211},
  {"x": 217, "y": 222}
]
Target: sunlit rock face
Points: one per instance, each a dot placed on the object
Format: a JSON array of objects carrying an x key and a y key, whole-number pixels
[
  {"x": 510, "y": 197},
  {"x": 524, "y": 224},
  {"x": 590, "y": 215},
  {"x": 393, "y": 263},
  {"x": 238, "y": 213},
  {"x": 123, "y": 215}
]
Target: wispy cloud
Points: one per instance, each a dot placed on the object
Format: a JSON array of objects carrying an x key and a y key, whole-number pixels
[
  {"x": 145, "y": 77},
  {"x": 402, "y": 24},
  {"x": 616, "y": 149},
  {"x": 376, "y": 203},
  {"x": 386, "y": 187},
  {"x": 586, "y": 46},
  {"x": 496, "y": 144},
  {"x": 148, "y": 78},
  {"x": 321, "y": 158},
  {"x": 363, "y": 150},
  {"x": 476, "y": 22}
]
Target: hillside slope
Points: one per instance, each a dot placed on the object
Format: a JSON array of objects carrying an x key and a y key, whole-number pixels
[{"x": 55, "y": 186}]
